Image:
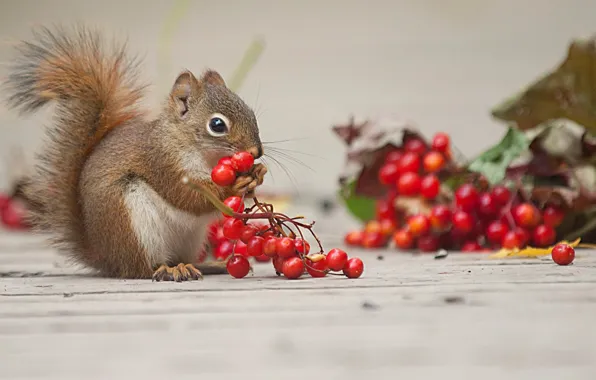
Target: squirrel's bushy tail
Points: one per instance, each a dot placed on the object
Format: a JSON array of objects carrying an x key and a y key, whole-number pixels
[{"x": 96, "y": 90}]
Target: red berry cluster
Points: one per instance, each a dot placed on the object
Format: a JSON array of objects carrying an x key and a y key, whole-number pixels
[
  {"x": 472, "y": 221},
  {"x": 245, "y": 234}
]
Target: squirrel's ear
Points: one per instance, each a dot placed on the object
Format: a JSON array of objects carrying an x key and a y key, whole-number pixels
[
  {"x": 213, "y": 77},
  {"x": 181, "y": 91}
]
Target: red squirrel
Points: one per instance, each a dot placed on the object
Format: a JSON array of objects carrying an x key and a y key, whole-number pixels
[{"x": 108, "y": 184}]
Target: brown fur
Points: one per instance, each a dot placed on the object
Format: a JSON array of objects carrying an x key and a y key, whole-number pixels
[{"x": 100, "y": 146}]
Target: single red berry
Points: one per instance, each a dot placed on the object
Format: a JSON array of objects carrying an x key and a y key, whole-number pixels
[
  {"x": 336, "y": 259},
  {"x": 428, "y": 243},
  {"x": 409, "y": 163},
  {"x": 242, "y": 162},
  {"x": 471, "y": 246},
  {"x": 223, "y": 175},
  {"x": 285, "y": 247},
  {"x": 544, "y": 236},
  {"x": 373, "y": 240},
  {"x": 354, "y": 238},
  {"x": 372, "y": 226},
  {"x": 495, "y": 232},
  {"x": 408, "y": 184},
  {"x": 563, "y": 254},
  {"x": 512, "y": 240},
  {"x": 223, "y": 250},
  {"x": 430, "y": 186},
  {"x": 388, "y": 174},
  {"x": 393, "y": 156},
  {"x": 466, "y": 197},
  {"x": 463, "y": 221},
  {"x": 523, "y": 235},
  {"x": 553, "y": 216},
  {"x": 278, "y": 263},
  {"x": 487, "y": 205},
  {"x": 254, "y": 247},
  {"x": 240, "y": 248},
  {"x": 248, "y": 232},
  {"x": 302, "y": 246},
  {"x": 385, "y": 210},
  {"x": 216, "y": 235},
  {"x": 416, "y": 146},
  {"x": 238, "y": 266},
  {"x": 526, "y": 215},
  {"x": 225, "y": 161},
  {"x": 262, "y": 258},
  {"x": 293, "y": 268},
  {"x": 418, "y": 225},
  {"x": 353, "y": 268},
  {"x": 433, "y": 161},
  {"x": 501, "y": 194},
  {"x": 403, "y": 239},
  {"x": 235, "y": 203},
  {"x": 270, "y": 246},
  {"x": 440, "y": 217},
  {"x": 388, "y": 226},
  {"x": 441, "y": 142},
  {"x": 316, "y": 269},
  {"x": 232, "y": 228}
]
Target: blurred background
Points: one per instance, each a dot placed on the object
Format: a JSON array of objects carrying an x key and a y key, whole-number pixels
[{"x": 440, "y": 63}]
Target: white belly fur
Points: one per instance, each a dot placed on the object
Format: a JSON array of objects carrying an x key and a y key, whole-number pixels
[{"x": 166, "y": 233}]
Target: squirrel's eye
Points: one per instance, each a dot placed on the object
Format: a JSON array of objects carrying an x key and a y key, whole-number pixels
[{"x": 217, "y": 126}]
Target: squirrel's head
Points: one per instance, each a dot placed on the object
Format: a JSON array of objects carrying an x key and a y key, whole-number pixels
[{"x": 211, "y": 118}]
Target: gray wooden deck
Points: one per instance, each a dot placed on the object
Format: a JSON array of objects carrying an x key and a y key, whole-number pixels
[{"x": 463, "y": 317}]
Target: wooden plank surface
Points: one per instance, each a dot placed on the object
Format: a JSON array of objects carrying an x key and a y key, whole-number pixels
[{"x": 463, "y": 317}]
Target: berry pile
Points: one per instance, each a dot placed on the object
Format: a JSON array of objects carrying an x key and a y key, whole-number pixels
[
  {"x": 260, "y": 232},
  {"x": 475, "y": 217}
]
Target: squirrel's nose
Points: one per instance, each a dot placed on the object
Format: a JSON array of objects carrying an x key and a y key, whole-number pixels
[{"x": 256, "y": 151}]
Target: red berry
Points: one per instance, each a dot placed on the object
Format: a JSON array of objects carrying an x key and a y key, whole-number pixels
[
  {"x": 463, "y": 222},
  {"x": 430, "y": 186},
  {"x": 487, "y": 205},
  {"x": 302, "y": 246},
  {"x": 553, "y": 216},
  {"x": 240, "y": 248},
  {"x": 544, "y": 236},
  {"x": 501, "y": 194},
  {"x": 248, "y": 231},
  {"x": 238, "y": 266},
  {"x": 353, "y": 268},
  {"x": 372, "y": 226},
  {"x": 563, "y": 254},
  {"x": 394, "y": 156},
  {"x": 388, "y": 174},
  {"x": 373, "y": 240},
  {"x": 385, "y": 210},
  {"x": 495, "y": 232},
  {"x": 416, "y": 146},
  {"x": 433, "y": 162},
  {"x": 513, "y": 239},
  {"x": 278, "y": 263},
  {"x": 441, "y": 142},
  {"x": 418, "y": 225},
  {"x": 403, "y": 239},
  {"x": 523, "y": 235},
  {"x": 388, "y": 226},
  {"x": 242, "y": 162},
  {"x": 428, "y": 243},
  {"x": 223, "y": 175},
  {"x": 235, "y": 203},
  {"x": 336, "y": 259},
  {"x": 354, "y": 238},
  {"x": 466, "y": 197},
  {"x": 293, "y": 268},
  {"x": 409, "y": 163},
  {"x": 285, "y": 247},
  {"x": 223, "y": 250},
  {"x": 526, "y": 215},
  {"x": 471, "y": 246},
  {"x": 215, "y": 234},
  {"x": 225, "y": 161},
  {"x": 440, "y": 217},
  {"x": 262, "y": 258},
  {"x": 232, "y": 228},
  {"x": 270, "y": 246},
  {"x": 408, "y": 184},
  {"x": 254, "y": 247},
  {"x": 318, "y": 268}
]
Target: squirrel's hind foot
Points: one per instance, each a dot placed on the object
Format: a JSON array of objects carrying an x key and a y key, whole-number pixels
[{"x": 179, "y": 273}]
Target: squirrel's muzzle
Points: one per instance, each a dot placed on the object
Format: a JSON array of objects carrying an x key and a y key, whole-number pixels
[{"x": 256, "y": 151}]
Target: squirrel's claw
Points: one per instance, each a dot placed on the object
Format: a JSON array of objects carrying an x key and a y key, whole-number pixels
[
  {"x": 246, "y": 184},
  {"x": 181, "y": 272}
]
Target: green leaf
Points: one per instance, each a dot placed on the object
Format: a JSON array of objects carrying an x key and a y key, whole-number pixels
[
  {"x": 362, "y": 208},
  {"x": 494, "y": 162}
]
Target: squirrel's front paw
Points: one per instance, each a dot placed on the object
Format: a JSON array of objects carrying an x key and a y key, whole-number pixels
[
  {"x": 246, "y": 184},
  {"x": 181, "y": 272}
]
